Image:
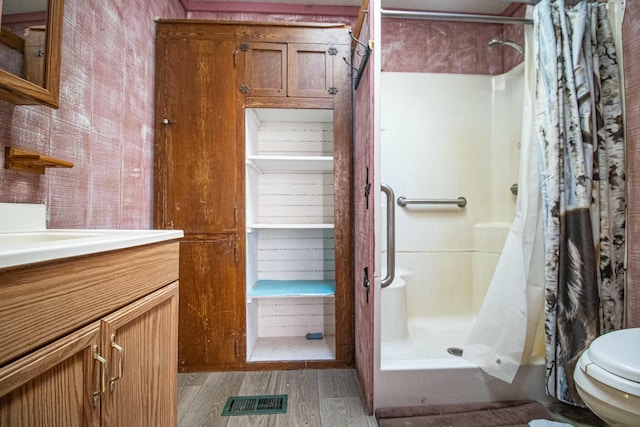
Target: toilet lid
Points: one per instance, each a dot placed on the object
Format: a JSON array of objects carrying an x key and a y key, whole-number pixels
[{"x": 618, "y": 352}]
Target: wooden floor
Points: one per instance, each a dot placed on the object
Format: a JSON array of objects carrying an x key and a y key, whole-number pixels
[{"x": 323, "y": 397}]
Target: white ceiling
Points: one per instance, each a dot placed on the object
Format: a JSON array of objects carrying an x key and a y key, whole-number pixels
[{"x": 493, "y": 7}]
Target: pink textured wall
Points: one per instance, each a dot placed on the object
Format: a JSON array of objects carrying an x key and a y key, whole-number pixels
[
  {"x": 423, "y": 46},
  {"x": 631, "y": 41},
  {"x": 104, "y": 124}
]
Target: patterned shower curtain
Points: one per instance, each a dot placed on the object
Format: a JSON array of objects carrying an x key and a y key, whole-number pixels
[{"x": 582, "y": 176}]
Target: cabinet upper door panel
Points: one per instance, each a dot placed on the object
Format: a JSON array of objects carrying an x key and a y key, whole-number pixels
[
  {"x": 310, "y": 70},
  {"x": 265, "y": 68},
  {"x": 196, "y": 136}
]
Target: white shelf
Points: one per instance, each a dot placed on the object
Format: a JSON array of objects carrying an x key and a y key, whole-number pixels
[
  {"x": 291, "y": 163},
  {"x": 289, "y": 226},
  {"x": 293, "y": 348}
]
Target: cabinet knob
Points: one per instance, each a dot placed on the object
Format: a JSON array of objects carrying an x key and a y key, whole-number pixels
[{"x": 167, "y": 122}]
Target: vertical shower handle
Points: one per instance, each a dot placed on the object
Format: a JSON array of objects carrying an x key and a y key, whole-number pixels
[{"x": 391, "y": 235}]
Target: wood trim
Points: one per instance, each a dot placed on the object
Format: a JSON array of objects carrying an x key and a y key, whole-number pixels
[
  {"x": 343, "y": 210},
  {"x": 11, "y": 40},
  {"x": 133, "y": 310},
  {"x": 22, "y": 92},
  {"x": 268, "y": 366},
  {"x": 362, "y": 14},
  {"x": 289, "y": 102},
  {"x": 254, "y": 23}
]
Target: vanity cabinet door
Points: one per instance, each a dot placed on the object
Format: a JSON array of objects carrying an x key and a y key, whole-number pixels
[
  {"x": 58, "y": 385},
  {"x": 140, "y": 344}
]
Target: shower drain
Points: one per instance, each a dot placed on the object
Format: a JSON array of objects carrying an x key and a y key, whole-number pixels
[{"x": 454, "y": 351}]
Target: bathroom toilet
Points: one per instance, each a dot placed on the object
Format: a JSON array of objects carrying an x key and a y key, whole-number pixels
[{"x": 607, "y": 377}]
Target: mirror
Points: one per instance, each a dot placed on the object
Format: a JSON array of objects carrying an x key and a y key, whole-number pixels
[{"x": 30, "y": 39}]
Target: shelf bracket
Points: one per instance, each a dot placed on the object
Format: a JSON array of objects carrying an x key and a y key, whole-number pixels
[{"x": 29, "y": 161}]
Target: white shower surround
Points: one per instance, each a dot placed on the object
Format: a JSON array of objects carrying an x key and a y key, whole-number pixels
[{"x": 444, "y": 136}]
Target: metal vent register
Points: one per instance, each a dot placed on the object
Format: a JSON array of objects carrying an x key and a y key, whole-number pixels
[{"x": 255, "y": 405}]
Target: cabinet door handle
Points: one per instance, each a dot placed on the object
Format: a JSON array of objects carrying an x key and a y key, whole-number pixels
[
  {"x": 103, "y": 376},
  {"x": 120, "y": 350}
]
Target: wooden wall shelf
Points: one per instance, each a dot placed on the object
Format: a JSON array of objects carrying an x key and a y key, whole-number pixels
[{"x": 29, "y": 161}]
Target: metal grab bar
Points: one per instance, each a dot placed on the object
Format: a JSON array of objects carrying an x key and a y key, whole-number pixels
[
  {"x": 391, "y": 236},
  {"x": 460, "y": 201}
]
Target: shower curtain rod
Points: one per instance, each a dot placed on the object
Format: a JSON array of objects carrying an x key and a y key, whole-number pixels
[{"x": 460, "y": 17}]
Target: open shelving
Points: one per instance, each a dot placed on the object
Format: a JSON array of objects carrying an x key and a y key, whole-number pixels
[{"x": 290, "y": 237}]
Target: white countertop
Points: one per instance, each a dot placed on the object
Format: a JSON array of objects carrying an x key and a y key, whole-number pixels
[{"x": 29, "y": 246}]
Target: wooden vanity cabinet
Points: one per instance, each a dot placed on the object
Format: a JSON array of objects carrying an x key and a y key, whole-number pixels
[{"x": 119, "y": 369}]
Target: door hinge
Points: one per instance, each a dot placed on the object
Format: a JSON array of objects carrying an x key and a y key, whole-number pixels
[
  {"x": 333, "y": 51},
  {"x": 244, "y": 47},
  {"x": 245, "y": 89},
  {"x": 367, "y": 188},
  {"x": 366, "y": 283},
  {"x": 332, "y": 90}
]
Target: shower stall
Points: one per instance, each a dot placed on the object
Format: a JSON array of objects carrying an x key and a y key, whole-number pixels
[
  {"x": 438, "y": 123},
  {"x": 454, "y": 153},
  {"x": 448, "y": 151}
]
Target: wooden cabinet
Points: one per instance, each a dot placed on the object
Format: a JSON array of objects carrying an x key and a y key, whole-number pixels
[
  {"x": 207, "y": 75},
  {"x": 140, "y": 345},
  {"x": 210, "y": 326},
  {"x": 198, "y": 186},
  {"x": 289, "y": 69},
  {"x": 54, "y": 386},
  {"x": 265, "y": 69},
  {"x": 118, "y": 369},
  {"x": 311, "y": 70}
]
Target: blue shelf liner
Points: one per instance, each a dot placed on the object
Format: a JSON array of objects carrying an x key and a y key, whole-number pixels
[{"x": 293, "y": 288}]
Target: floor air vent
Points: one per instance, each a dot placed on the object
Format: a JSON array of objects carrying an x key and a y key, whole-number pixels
[{"x": 255, "y": 405}]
